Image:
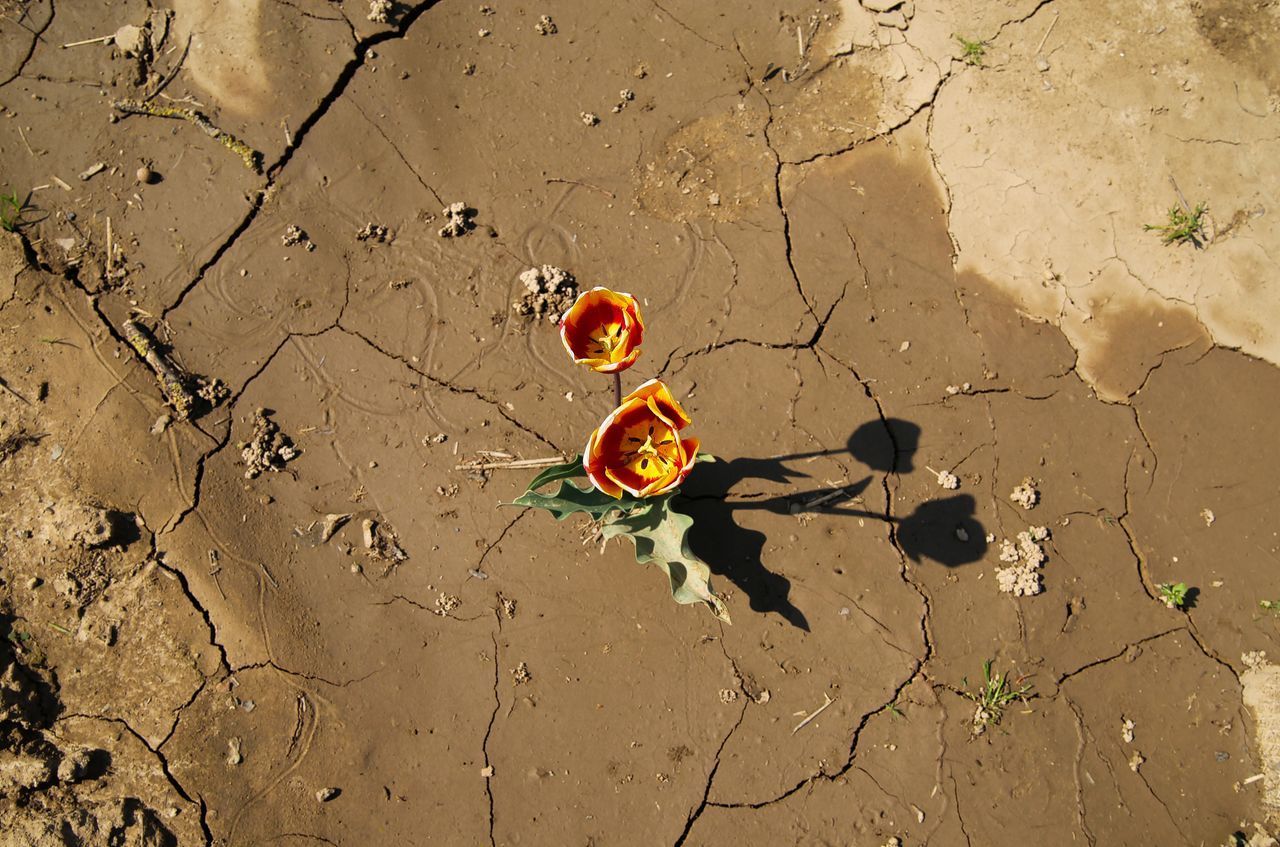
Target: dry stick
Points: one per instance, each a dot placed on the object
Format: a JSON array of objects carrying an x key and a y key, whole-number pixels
[
  {"x": 827, "y": 498},
  {"x": 617, "y": 390},
  {"x": 172, "y": 73},
  {"x": 252, "y": 158},
  {"x": 1181, "y": 198},
  {"x": 24, "y": 141},
  {"x": 514, "y": 463},
  {"x": 171, "y": 379},
  {"x": 102, "y": 39},
  {"x": 109, "y": 250},
  {"x": 7, "y": 388},
  {"x": 609, "y": 194},
  {"x": 819, "y": 711},
  {"x": 1052, "y": 24}
]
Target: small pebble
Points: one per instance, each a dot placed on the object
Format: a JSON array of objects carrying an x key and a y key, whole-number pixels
[{"x": 324, "y": 795}]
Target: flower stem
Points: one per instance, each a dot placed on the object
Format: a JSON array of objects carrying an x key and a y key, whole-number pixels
[{"x": 617, "y": 390}]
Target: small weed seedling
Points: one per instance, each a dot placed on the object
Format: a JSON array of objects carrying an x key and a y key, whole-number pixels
[
  {"x": 1272, "y": 606},
  {"x": 994, "y": 697},
  {"x": 1183, "y": 226},
  {"x": 11, "y": 209},
  {"x": 1173, "y": 595},
  {"x": 972, "y": 52}
]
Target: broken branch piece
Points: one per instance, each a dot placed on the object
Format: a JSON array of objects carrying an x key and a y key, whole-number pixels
[{"x": 252, "y": 158}]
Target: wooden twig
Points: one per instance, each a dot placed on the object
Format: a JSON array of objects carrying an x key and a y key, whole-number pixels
[
  {"x": 827, "y": 498},
  {"x": 252, "y": 158},
  {"x": 513, "y": 464},
  {"x": 168, "y": 78},
  {"x": 1186, "y": 207},
  {"x": 608, "y": 194},
  {"x": 102, "y": 39},
  {"x": 1052, "y": 24},
  {"x": 4, "y": 385},
  {"x": 817, "y": 712},
  {"x": 170, "y": 378},
  {"x": 109, "y": 250},
  {"x": 24, "y": 141}
]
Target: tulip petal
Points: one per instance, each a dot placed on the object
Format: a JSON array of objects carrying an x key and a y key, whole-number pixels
[{"x": 661, "y": 394}]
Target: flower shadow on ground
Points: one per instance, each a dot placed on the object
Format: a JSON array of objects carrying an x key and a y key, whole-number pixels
[{"x": 943, "y": 530}]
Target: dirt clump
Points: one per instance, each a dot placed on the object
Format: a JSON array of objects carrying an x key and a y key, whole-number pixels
[
  {"x": 268, "y": 449},
  {"x": 459, "y": 220},
  {"x": 549, "y": 292}
]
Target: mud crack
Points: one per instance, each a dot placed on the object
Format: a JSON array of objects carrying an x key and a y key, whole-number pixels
[
  {"x": 697, "y": 811},
  {"x": 273, "y": 171}
]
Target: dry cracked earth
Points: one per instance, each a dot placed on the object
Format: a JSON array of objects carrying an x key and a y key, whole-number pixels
[{"x": 866, "y": 254}]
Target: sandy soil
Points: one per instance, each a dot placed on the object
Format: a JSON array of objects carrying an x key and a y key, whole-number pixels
[{"x": 863, "y": 260}]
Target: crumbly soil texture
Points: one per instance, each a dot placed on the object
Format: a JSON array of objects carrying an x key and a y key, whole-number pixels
[{"x": 976, "y": 422}]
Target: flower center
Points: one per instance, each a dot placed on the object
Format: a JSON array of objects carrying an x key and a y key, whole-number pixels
[
  {"x": 646, "y": 452},
  {"x": 609, "y": 339}
]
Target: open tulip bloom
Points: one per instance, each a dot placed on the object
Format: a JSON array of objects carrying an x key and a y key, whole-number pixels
[
  {"x": 638, "y": 449},
  {"x": 603, "y": 330},
  {"x": 635, "y": 460}
]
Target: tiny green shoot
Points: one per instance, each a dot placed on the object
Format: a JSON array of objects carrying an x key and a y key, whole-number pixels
[
  {"x": 995, "y": 695},
  {"x": 11, "y": 209},
  {"x": 1173, "y": 595},
  {"x": 1182, "y": 226},
  {"x": 972, "y": 52}
]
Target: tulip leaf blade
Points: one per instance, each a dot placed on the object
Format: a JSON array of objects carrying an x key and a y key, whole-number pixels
[
  {"x": 571, "y": 499},
  {"x": 569, "y": 469},
  {"x": 661, "y": 536},
  {"x": 705, "y": 457}
]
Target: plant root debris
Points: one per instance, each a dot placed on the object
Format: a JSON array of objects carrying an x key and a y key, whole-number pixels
[
  {"x": 187, "y": 394},
  {"x": 381, "y": 541},
  {"x": 252, "y": 158}
]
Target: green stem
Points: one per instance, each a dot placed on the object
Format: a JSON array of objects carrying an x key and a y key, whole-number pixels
[{"x": 617, "y": 390}]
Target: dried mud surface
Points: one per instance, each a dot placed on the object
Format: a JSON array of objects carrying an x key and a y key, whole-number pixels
[{"x": 862, "y": 261}]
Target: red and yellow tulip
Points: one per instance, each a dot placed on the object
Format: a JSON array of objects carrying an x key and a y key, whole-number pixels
[
  {"x": 638, "y": 448},
  {"x": 603, "y": 330}
]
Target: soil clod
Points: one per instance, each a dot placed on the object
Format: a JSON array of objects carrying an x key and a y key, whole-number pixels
[{"x": 268, "y": 449}]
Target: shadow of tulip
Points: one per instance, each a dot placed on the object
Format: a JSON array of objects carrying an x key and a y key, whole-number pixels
[{"x": 944, "y": 530}]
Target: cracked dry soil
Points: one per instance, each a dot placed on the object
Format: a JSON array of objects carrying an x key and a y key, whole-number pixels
[{"x": 862, "y": 261}]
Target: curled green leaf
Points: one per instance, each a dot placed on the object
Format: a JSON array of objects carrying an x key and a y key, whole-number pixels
[
  {"x": 569, "y": 469},
  {"x": 661, "y": 536},
  {"x": 571, "y": 499}
]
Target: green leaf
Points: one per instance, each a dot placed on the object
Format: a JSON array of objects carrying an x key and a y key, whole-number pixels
[
  {"x": 571, "y": 499},
  {"x": 571, "y": 468},
  {"x": 705, "y": 457},
  {"x": 661, "y": 536}
]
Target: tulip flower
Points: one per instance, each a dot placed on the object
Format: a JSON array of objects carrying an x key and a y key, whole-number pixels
[
  {"x": 603, "y": 330},
  {"x": 638, "y": 448}
]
